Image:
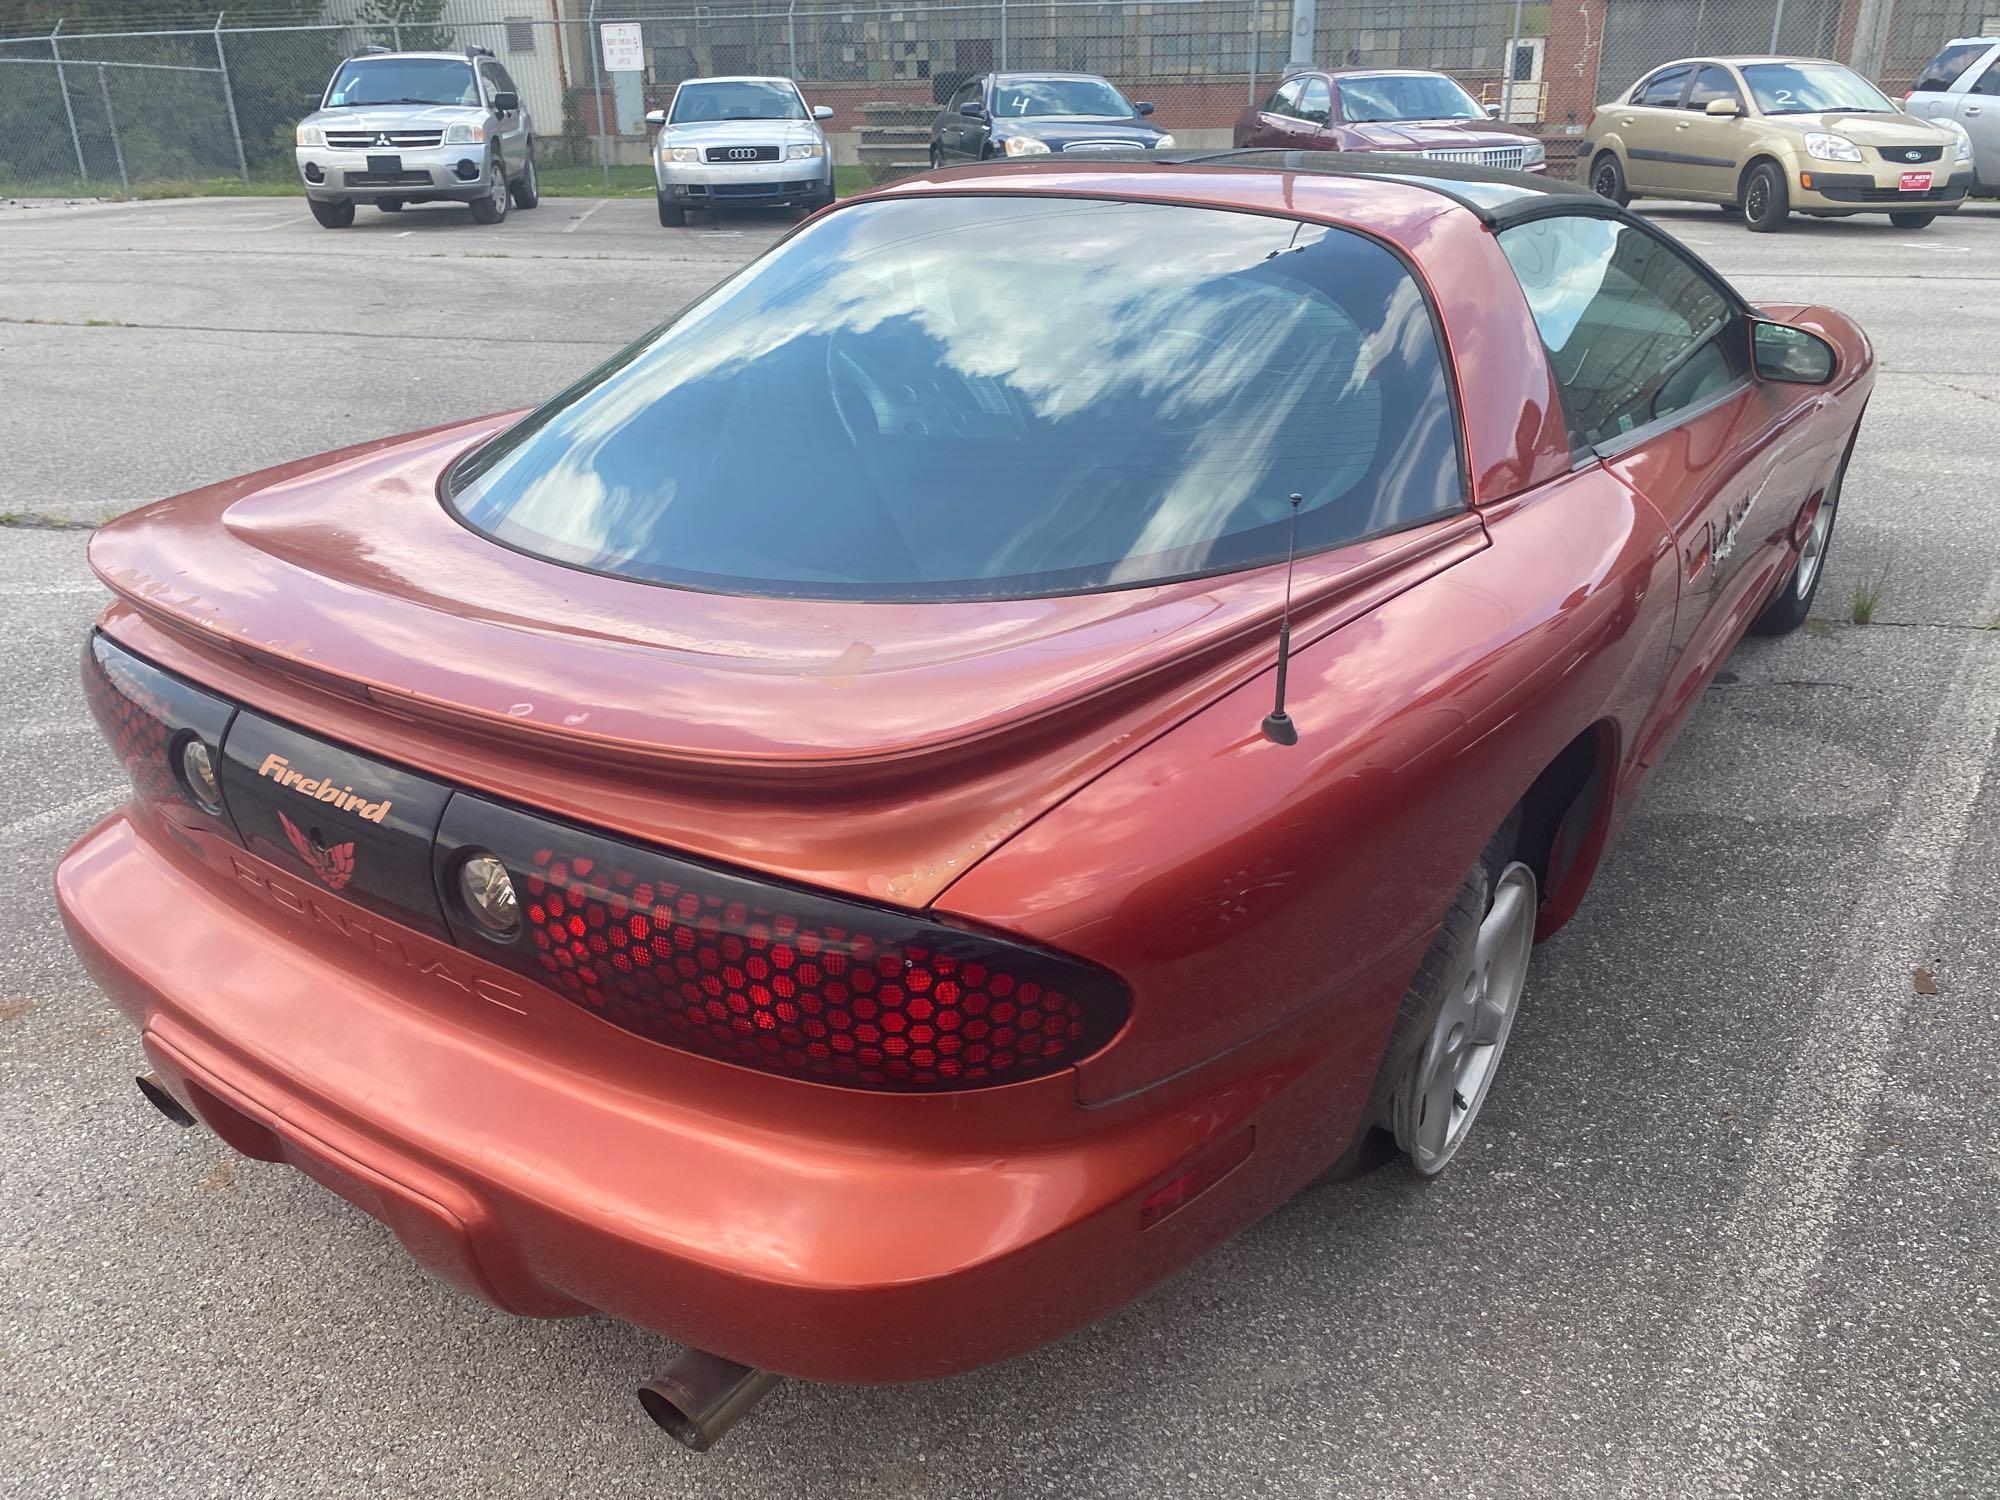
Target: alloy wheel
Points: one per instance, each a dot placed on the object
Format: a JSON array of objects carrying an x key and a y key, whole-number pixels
[
  {"x": 1435, "y": 1109},
  {"x": 1813, "y": 549}
]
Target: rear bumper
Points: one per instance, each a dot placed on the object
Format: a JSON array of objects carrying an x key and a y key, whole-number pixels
[{"x": 552, "y": 1165}]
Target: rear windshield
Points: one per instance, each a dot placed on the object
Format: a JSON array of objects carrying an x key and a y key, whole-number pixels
[
  {"x": 961, "y": 398},
  {"x": 1405, "y": 96}
]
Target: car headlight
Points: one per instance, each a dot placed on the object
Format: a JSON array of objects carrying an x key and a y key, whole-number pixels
[
  {"x": 1164, "y": 143},
  {"x": 465, "y": 133},
  {"x": 1533, "y": 151},
  {"x": 682, "y": 153},
  {"x": 800, "y": 150},
  {"x": 311, "y": 135},
  {"x": 1831, "y": 148},
  {"x": 1963, "y": 153},
  {"x": 1026, "y": 145}
]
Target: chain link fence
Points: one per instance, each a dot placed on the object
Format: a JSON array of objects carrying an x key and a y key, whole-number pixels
[{"x": 89, "y": 109}]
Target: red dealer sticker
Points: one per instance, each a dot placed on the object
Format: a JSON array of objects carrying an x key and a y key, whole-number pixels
[{"x": 1915, "y": 182}]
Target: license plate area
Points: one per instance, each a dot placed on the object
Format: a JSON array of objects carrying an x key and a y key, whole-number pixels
[
  {"x": 1915, "y": 182},
  {"x": 385, "y": 164}
]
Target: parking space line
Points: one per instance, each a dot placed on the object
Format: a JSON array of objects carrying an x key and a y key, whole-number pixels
[
  {"x": 1709, "y": 1426},
  {"x": 577, "y": 223}
]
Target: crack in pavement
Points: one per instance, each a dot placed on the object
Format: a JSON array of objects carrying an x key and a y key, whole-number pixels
[{"x": 311, "y": 333}]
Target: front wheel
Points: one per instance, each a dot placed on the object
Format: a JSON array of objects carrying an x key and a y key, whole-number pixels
[
  {"x": 672, "y": 215},
  {"x": 492, "y": 209},
  {"x": 1788, "y": 611},
  {"x": 335, "y": 215},
  {"x": 527, "y": 191},
  {"x": 1766, "y": 202},
  {"x": 1607, "y": 179},
  {"x": 1911, "y": 221},
  {"x": 389, "y": 205}
]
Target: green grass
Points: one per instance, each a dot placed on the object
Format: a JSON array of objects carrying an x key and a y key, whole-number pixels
[
  {"x": 1867, "y": 597},
  {"x": 556, "y": 182}
]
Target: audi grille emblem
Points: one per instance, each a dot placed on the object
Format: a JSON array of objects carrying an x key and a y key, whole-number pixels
[
  {"x": 742, "y": 153},
  {"x": 381, "y": 140}
]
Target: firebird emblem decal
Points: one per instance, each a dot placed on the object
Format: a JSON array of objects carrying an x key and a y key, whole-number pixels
[{"x": 333, "y": 864}]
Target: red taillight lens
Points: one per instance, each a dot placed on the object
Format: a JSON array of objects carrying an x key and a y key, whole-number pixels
[
  {"x": 788, "y": 981},
  {"x": 149, "y": 717}
]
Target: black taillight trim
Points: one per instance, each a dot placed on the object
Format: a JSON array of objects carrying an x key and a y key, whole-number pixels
[
  {"x": 146, "y": 715},
  {"x": 895, "y": 949}
]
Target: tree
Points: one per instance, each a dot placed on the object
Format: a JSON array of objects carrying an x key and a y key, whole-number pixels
[{"x": 409, "y": 25}]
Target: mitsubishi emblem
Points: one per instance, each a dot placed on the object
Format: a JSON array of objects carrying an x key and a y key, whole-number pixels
[{"x": 382, "y": 140}]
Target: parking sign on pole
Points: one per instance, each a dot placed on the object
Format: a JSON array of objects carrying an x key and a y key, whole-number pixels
[{"x": 624, "y": 50}]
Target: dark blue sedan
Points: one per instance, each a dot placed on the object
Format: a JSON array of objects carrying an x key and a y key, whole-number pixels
[{"x": 1033, "y": 114}]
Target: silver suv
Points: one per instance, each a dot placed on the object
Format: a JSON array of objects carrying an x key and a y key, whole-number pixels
[
  {"x": 1962, "y": 84},
  {"x": 418, "y": 127}
]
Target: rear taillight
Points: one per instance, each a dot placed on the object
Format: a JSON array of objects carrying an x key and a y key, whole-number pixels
[
  {"x": 167, "y": 733},
  {"x": 788, "y": 981}
]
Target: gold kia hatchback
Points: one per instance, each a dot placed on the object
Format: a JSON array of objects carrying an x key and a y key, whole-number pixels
[{"x": 1764, "y": 136}]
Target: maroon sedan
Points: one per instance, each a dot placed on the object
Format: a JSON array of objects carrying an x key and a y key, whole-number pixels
[{"x": 1381, "y": 109}]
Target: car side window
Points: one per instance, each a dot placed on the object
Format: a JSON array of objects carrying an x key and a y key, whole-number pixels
[
  {"x": 1989, "y": 81},
  {"x": 1286, "y": 100},
  {"x": 1942, "y": 71},
  {"x": 1711, "y": 83},
  {"x": 1635, "y": 331},
  {"x": 502, "y": 79},
  {"x": 1662, "y": 90},
  {"x": 965, "y": 96},
  {"x": 1316, "y": 102}
]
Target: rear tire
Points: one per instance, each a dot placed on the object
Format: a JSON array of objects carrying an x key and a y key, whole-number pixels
[
  {"x": 1788, "y": 611},
  {"x": 389, "y": 205},
  {"x": 1911, "y": 221},
  {"x": 1766, "y": 200},
  {"x": 527, "y": 192},
  {"x": 492, "y": 209},
  {"x": 672, "y": 215},
  {"x": 1607, "y": 179},
  {"x": 334, "y": 215},
  {"x": 1394, "y": 1116}
]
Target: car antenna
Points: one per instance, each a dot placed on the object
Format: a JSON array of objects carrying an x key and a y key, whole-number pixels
[{"x": 1278, "y": 726}]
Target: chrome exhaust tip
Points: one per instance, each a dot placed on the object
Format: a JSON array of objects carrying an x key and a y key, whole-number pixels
[
  {"x": 157, "y": 1096},
  {"x": 702, "y": 1396}
]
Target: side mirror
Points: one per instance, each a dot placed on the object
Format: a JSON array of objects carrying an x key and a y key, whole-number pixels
[
  {"x": 656, "y": 117},
  {"x": 822, "y": 111},
  {"x": 1792, "y": 355},
  {"x": 506, "y": 102},
  {"x": 1723, "y": 108},
  {"x": 972, "y": 109},
  {"x": 1142, "y": 108},
  {"x": 1492, "y": 111}
]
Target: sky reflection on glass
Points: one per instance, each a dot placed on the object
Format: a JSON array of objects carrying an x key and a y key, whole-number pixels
[{"x": 967, "y": 398}]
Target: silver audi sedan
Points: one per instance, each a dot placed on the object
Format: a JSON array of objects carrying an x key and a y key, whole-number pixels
[{"x": 751, "y": 141}]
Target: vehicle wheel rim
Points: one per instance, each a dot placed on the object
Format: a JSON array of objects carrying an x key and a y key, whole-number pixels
[
  {"x": 1607, "y": 181},
  {"x": 1753, "y": 202},
  {"x": 1813, "y": 549},
  {"x": 1450, "y": 1079}
]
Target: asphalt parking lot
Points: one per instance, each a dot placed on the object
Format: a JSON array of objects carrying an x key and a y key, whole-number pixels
[{"x": 1729, "y": 1227}]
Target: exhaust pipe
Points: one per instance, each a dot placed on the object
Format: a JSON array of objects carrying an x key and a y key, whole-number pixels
[
  {"x": 157, "y": 1096},
  {"x": 702, "y": 1396}
]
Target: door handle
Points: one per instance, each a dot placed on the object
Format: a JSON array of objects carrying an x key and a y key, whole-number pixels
[
  {"x": 1682, "y": 125},
  {"x": 1700, "y": 550},
  {"x": 1627, "y": 123},
  {"x": 1972, "y": 109}
]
